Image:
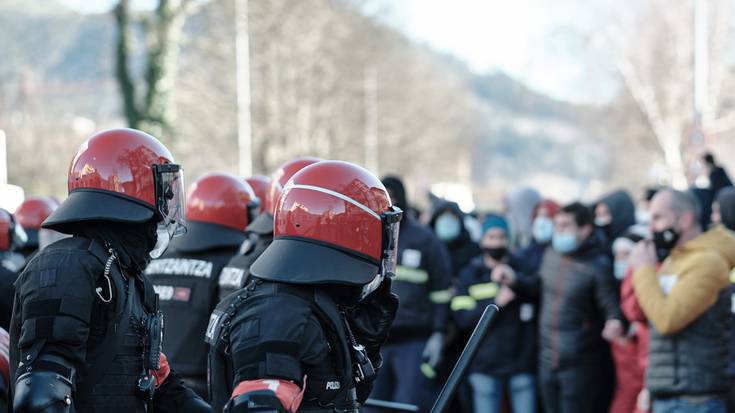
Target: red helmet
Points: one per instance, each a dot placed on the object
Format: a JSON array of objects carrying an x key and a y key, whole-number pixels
[
  {"x": 123, "y": 175},
  {"x": 34, "y": 210},
  {"x": 264, "y": 223},
  {"x": 281, "y": 176},
  {"x": 260, "y": 184},
  {"x": 11, "y": 233},
  {"x": 218, "y": 209},
  {"x": 31, "y": 214},
  {"x": 334, "y": 223}
]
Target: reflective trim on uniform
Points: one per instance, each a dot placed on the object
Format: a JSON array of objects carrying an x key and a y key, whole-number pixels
[
  {"x": 463, "y": 302},
  {"x": 732, "y": 276},
  {"x": 428, "y": 371},
  {"x": 483, "y": 291},
  {"x": 411, "y": 275},
  {"x": 231, "y": 277},
  {"x": 440, "y": 297},
  {"x": 333, "y": 193},
  {"x": 181, "y": 267}
]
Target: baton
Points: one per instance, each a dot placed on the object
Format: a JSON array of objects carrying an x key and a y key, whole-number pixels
[
  {"x": 382, "y": 404},
  {"x": 469, "y": 352}
]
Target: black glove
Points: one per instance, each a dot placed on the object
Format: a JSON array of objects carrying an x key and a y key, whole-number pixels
[{"x": 372, "y": 318}]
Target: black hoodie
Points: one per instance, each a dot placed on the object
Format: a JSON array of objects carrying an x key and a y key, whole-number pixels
[
  {"x": 462, "y": 249},
  {"x": 622, "y": 211},
  {"x": 726, "y": 199}
]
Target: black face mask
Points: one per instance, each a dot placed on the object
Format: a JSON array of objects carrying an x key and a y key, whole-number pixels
[
  {"x": 665, "y": 241},
  {"x": 495, "y": 253}
]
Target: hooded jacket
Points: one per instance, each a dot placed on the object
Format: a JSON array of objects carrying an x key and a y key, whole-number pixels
[
  {"x": 622, "y": 211},
  {"x": 462, "y": 249},
  {"x": 423, "y": 276},
  {"x": 520, "y": 206},
  {"x": 726, "y": 199},
  {"x": 422, "y": 282},
  {"x": 687, "y": 303}
]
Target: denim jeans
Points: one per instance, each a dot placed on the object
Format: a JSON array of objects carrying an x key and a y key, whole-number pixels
[
  {"x": 488, "y": 392},
  {"x": 690, "y": 405}
]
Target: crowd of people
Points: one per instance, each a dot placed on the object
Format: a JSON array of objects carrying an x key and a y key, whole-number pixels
[{"x": 622, "y": 305}]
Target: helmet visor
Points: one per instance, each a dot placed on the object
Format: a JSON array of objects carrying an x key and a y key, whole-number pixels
[
  {"x": 391, "y": 225},
  {"x": 170, "y": 197},
  {"x": 19, "y": 236}
]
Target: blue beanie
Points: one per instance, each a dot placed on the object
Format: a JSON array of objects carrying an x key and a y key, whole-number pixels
[{"x": 494, "y": 221}]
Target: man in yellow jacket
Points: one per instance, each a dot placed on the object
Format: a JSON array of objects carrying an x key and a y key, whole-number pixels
[{"x": 681, "y": 280}]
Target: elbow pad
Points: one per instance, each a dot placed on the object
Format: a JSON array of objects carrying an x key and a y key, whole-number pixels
[
  {"x": 42, "y": 392},
  {"x": 259, "y": 401}
]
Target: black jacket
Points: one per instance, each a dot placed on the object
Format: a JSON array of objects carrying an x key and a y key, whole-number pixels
[
  {"x": 57, "y": 312},
  {"x": 423, "y": 280},
  {"x": 236, "y": 273},
  {"x": 718, "y": 179},
  {"x": 578, "y": 294},
  {"x": 187, "y": 285},
  {"x": 7, "y": 278},
  {"x": 281, "y": 331},
  {"x": 622, "y": 211},
  {"x": 511, "y": 346}
]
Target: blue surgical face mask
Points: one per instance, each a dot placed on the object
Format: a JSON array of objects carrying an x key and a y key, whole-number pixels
[
  {"x": 543, "y": 229},
  {"x": 620, "y": 267},
  {"x": 447, "y": 227},
  {"x": 564, "y": 242}
]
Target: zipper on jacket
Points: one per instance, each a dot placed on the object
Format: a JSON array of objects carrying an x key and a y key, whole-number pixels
[{"x": 555, "y": 311}]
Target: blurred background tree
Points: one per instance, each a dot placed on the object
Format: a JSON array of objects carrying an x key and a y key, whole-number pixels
[
  {"x": 147, "y": 102},
  {"x": 331, "y": 79}
]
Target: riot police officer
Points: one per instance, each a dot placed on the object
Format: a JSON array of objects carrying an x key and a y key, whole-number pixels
[
  {"x": 30, "y": 214},
  {"x": 305, "y": 333},
  {"x": 260, "y": 232},
  {"x": 12, "y": 238},
  {"x": 86, "y": 331},
  {"x": 218, "y": 209},
  {"x": 260, "y": 185}
]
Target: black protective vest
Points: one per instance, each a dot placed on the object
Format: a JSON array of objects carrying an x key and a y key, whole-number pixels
[
  {"x": 236, "y": 273},
  {"x": 327, "y": 386},
  {"x": 186, "y": 283},
  {"x": 107, "y": 381}
]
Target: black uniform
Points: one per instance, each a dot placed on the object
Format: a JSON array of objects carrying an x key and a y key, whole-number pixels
[
  {"x": 73, "y": 320},
  {"x": 7, "y": 278},
  {"x": 306, "y": 338},
  {"x": 186, "y": 280},
  {"x": 236, "y": 273}
]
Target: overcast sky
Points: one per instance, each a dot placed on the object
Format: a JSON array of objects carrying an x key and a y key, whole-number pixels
[{"x": 539, "y": 42}]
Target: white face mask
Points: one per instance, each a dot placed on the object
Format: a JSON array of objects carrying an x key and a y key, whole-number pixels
[
  {"x": 620, "y": 267},
  {"x": 163, "y": 238},
  {"x": 603, "y": 221},
  {"x": 642, "y": 216}
]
